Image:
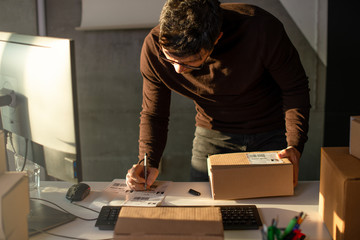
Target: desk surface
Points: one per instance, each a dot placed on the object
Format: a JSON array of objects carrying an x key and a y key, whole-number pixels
[{"x": 284, "y": 208}]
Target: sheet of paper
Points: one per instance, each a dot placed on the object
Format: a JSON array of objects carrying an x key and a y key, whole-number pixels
[
  {"x": 118, "y": 194},
  {"x": 263, "y": 158}
]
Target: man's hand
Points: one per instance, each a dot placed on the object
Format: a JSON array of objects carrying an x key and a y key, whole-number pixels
[
  {"x": 135, "y": 177},
  {"x": 294, "y": 156}
]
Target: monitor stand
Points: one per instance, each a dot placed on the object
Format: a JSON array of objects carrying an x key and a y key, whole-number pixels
[{"x": 43, "y": 217}]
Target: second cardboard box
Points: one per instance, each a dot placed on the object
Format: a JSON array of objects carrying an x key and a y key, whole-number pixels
[{"x": 250, "y": 175}]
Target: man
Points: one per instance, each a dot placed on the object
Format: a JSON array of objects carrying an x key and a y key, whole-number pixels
[{"x": 237, "y": 64}]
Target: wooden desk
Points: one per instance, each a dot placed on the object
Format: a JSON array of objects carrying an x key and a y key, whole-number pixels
[{"x": 284, "y": 208}]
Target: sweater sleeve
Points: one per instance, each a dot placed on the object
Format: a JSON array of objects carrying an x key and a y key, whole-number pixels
[
  {"x": 154, "y": 116},
  {"x": 282, "y": 60}
]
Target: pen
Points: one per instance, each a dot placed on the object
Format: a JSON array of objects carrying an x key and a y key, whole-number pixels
[
  {"x": 299, "y": 221},
  {"x": 290, "y": 227},
  {"x": 145, "y": 170},
  {"x": 270, "y": 233},
  {"x": 277, "y": 232}
]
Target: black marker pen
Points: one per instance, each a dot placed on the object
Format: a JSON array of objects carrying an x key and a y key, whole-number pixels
[{"x": 194, "y": 192}]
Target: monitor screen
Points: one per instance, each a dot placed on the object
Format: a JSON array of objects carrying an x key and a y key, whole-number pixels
[{"x": 40, "y": 71}]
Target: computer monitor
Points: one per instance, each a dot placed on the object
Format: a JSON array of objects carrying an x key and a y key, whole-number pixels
[{"x": 40, "y": 72}]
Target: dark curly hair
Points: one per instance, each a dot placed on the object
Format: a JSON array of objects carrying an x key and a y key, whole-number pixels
[{"x": 187, "y": 26}]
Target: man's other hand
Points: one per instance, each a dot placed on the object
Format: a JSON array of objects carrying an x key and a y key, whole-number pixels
[{"x": 294, "y": 156}]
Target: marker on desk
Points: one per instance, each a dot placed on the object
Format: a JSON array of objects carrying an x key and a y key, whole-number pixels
[
  {"x": 194, "y": 192},
  {"x": 145, "y": 170}
]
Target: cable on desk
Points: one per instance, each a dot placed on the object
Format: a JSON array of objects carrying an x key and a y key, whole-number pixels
[
  {"x": 86, "y": 207},
  {"x": 63, "y": 236},
  {"x": 85, "y": 219}
]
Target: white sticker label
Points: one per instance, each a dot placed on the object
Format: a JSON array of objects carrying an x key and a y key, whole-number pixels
[{"x": 263, "y": 158}]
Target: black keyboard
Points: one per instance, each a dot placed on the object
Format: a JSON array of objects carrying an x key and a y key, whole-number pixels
[
  {"x": 107, "y": 217},
  {"x": 238, "y": 217}
]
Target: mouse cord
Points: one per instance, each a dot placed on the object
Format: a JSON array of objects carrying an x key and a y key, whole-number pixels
[
  {"x": 63, "y": 236},
  {"x": 85, "y": 219},
  {"x": 85, "y": 207}
]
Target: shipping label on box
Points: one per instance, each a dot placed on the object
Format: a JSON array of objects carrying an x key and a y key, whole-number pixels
[
  {"x": 355, "y": 136},
  {"x": 339, "y": 194},
  {"x": 250, "y": 175}
]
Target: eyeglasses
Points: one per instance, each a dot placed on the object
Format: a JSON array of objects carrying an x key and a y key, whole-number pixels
[{"x": 163, "y": 57}]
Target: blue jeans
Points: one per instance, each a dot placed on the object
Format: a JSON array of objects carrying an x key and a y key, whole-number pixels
[{"x": 208, "y": 142}]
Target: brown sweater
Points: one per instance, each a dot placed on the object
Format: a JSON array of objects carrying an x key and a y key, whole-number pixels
[{"x": 253, "y": 82}]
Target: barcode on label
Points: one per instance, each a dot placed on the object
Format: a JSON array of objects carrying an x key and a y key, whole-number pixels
[
  {"x": 119, "y": 185},
  {"x": 141, "y": 198}
]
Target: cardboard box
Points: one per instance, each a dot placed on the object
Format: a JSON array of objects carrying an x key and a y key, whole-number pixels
[
  {"x": 170, "y": 223},
  {"x": 14, "y": 206},
  {"x": 355, "y": 136},
  {"x": 339, "y": 195},
  {"x": 250, "y": 175}
]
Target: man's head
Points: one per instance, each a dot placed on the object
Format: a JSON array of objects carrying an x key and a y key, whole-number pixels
[{"x": 188, "y": 27}]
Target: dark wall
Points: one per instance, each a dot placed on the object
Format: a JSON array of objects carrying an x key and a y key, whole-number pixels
[
  {"x": 18, "y": 16},
  {"x": 343, "y": 79},
  {"x": 110, "y": 95}
]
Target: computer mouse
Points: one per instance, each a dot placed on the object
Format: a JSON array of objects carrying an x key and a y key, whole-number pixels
[{"x": 78, "y": 192}]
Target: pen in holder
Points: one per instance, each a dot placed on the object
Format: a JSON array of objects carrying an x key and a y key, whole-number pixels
[{"x": 291, "y": 232}]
